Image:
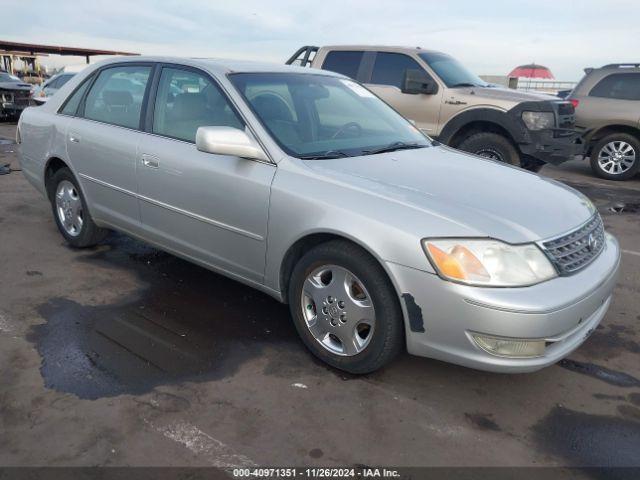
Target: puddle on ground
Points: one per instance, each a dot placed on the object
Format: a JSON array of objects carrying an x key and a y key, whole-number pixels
[
  {"x": 189, "y": 325},
  {"x": 612, "y": 201},
  {"x": 589, "y": 440},
  {"x": 612, "y": 377},
  {"x": 7, "y": 145},
  {"x": 610, "y": 341}
]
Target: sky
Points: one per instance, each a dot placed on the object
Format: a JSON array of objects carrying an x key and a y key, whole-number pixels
[{"x": 490, "y": 36}]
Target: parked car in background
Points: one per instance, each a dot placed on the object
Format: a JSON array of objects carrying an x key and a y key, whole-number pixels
[
  {"x": 456, "y": 107},
  {"x": 14, "y": 95},
  {"x": 42, "y": 92},
  {"x": 607, "y": 103},
  {"x": 305, "y": 185}
]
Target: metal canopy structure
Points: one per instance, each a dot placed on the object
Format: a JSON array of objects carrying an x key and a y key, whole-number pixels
[{"x": 29, "y": 51}]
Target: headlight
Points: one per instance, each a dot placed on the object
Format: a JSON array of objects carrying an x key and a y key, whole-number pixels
[
  {"x": 488, "y": 262},
  {"x": 538, "y": 120}
]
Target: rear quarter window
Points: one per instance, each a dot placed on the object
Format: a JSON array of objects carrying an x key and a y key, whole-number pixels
[
  {"x": 345, "y": 62},
  {"x": 621, "y": 86},
  {"x": 70, "y": 106}
]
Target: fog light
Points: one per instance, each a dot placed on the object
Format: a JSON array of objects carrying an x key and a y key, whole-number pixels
[{"x": 509, "y": 347}]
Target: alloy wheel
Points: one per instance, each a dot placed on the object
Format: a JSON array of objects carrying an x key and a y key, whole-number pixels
[{"x": 616, "y": 157}]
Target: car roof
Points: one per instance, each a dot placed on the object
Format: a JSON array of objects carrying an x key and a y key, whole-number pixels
[{"x": 221, "y": 65}]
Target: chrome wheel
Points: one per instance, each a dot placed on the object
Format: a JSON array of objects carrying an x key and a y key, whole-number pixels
[
  {"x": 616, "y": 157},
  {"x": 338, "y": 310},
  {"x": 69, "y": 208},
  {"x": 490, "y": 153}
]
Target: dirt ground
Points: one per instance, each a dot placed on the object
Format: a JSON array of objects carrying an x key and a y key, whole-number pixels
[{"x": 124, "y": 355}]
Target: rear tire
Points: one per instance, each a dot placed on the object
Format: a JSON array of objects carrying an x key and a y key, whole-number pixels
[
  {"x": 616, "y": 157},
  {"x": 371, "y": 333},
  {"x": 70, "y": 211},
  {"x": 491, "y": 145}
]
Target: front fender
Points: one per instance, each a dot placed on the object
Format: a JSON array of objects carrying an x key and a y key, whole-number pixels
[{"x": 509, "y": 121}]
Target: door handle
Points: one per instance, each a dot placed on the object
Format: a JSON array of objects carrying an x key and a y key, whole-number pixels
[
  {"x": 74, "y": 138},
  {"x": 150, "y": 161}
]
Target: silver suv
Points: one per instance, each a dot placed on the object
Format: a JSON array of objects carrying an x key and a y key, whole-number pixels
[
  {"x": 308, "y": 187},
  {"x": 607, "y": 103}
]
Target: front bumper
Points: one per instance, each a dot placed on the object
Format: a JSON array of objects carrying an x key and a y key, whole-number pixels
[
  {"x": 441, "y": 315},
  {"x": 10, "y": 108},
  {"x": 554, "y": 145}
]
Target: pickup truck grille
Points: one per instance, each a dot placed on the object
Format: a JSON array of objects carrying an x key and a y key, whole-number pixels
[
  {"x": 566, "y": 115},
  {"x": 575, "y": 250}
]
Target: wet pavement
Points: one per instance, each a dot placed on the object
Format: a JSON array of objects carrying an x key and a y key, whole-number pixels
[{"x": 124, "y": 355}]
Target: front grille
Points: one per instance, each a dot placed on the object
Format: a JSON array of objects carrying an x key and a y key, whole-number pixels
[
  {"x": 576, "y": 250},
  {"x": 566, "y": 108},
  {"x": 566, "y": 115}
]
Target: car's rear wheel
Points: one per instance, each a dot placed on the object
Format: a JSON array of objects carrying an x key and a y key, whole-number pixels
[
  {"x": 345, "y": 309},
  {"x": 616, "y": 157},
  {"x": 493, "y": 146},
  {"x": 70, "y": 211}
]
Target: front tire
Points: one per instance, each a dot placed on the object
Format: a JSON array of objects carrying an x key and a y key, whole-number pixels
[
  {"x": 616, "y": 157},
  {"x": 493, "y": 146},
  {"x": 70, "y": 211},
  {"x": 345, "y": 309}
]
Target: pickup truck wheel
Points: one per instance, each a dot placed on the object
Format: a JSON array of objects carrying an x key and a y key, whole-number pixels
[
  {"x": 70, "y": 211},
  {"x": 616, "y": 157},
  {"x": 345, "y": 309},
  {"x": 491, "y": 145}
]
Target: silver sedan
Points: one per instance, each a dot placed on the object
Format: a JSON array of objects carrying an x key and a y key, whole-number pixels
[{"x": 303, "y": 184}]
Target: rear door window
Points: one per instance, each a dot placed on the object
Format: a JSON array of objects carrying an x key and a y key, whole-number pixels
[
  {"x": 187, "y": 100},
  {"x": 621, "y": 86},
  {"x": 345, "y": 62},
  {"x": 117, "y": 94},
  {"x": 389, "y": 68}
]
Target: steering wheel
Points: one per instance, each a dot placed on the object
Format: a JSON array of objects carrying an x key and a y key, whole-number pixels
[{"x": 346, "y": 127}]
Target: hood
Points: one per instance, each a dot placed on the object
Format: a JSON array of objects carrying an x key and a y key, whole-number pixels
[
  {"x": 14, "y": 86},
  {"x": 505, "y": 94},
  {"x": 477, "y": 196}
]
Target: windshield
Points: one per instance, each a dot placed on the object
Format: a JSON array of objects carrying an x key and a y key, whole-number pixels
[
  {"x": 452, "y": 72},
  {"x": 324, "y": 116},
  {"x": 5, "y": 77}
]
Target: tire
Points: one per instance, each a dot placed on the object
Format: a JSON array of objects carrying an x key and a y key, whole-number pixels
[
  {"x": 605, "y": 159},
  {"x": 531, "y": 164},
  {"x": 66, "y": 198},
  {"x": 491, "y": 145},
  {"x": 379, "y": 340}
]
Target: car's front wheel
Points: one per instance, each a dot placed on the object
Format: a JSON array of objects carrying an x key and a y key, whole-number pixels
[
  {"x": 616, "y": 157},
  {"x": 70, "y": 211},
  {"x": 493, "y": 146},
  {"x": 345, "y": 308}
]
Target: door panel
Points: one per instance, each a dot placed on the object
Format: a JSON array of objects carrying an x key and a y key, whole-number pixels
[
  {"x": 213, "y": 208},
  {"x": 102, "y": 143},
  {"x": 105, "y": 158}
]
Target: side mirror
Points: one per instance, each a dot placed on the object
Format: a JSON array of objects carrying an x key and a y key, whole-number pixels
[
  {"x": 228, "y": 141},
  {"x": 417, "y": 81}
]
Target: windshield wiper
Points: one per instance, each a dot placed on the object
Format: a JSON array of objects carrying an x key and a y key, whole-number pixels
[
  {"x": 328, "y": 155},
  {"x": 392, "y": 147}
]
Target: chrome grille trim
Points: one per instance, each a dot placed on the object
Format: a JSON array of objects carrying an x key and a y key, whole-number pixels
[{"x": 573, "y": 251}]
